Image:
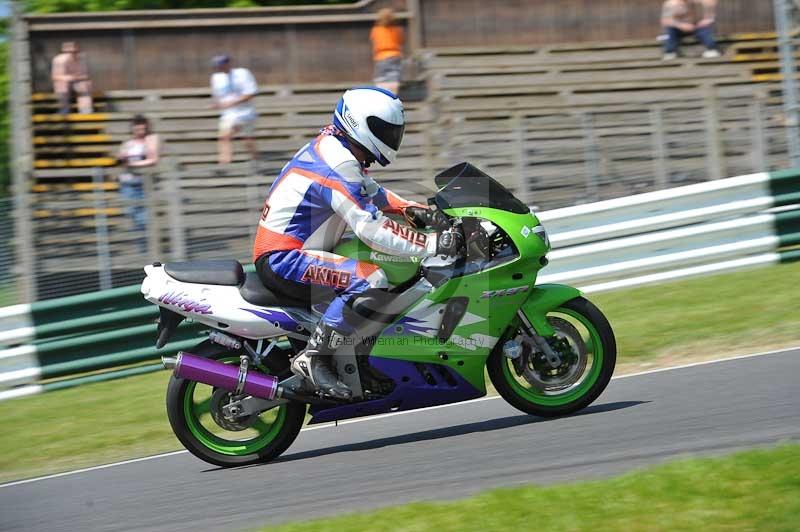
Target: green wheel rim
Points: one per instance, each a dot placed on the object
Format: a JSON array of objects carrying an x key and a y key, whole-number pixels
[
  {"x": 595, "y": 347},
  {"x": 267, "y": 431}
]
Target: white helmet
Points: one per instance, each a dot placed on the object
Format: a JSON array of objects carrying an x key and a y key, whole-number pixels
[{"x": 372, "y": 117}]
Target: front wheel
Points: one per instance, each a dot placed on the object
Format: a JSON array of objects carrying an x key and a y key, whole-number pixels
[
  {"x": 584, "y": 340},
  {"x": 194, "y": 412}
]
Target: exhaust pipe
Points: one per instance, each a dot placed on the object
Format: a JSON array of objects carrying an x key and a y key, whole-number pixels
[{"x": 235, "y": 379}]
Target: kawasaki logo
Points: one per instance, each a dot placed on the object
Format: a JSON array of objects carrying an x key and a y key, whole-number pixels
[{"x": 380, "y": 257}]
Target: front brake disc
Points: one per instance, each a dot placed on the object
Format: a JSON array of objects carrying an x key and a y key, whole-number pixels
[{"x": 574, "y": 360}]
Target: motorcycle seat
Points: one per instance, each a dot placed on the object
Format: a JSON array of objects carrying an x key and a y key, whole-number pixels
[
  {"x": 253, "y": 291},
  {"x": 218, "y": 272}
]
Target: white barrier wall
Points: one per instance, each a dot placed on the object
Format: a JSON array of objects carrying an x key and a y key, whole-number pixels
[{"x": 714, "y": 227}]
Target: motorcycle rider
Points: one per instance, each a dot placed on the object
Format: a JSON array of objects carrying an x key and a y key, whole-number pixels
[{"x": 322, "y": 191}]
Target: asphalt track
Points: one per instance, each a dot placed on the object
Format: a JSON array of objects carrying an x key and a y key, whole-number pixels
[{"x": 435, "y": 454}]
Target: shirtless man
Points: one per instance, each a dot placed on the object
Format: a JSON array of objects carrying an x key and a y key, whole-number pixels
[{"x": 70, "y": 75}]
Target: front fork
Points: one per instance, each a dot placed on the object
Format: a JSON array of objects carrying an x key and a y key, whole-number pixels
[
  {"x": 533, "y": 316},
  {"x": 539, "y": 343}
]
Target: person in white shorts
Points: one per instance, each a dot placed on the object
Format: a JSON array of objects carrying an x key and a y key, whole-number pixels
[{"x": 233, "y": 90}]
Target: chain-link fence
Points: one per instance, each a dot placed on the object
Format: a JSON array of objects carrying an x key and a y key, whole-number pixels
[
  {"x": 96, "y": 235},
  {"x": 9, "y": 294}
]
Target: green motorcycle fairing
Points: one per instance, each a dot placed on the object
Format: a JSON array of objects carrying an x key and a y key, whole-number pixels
[
  {"x": 397, "y": 269},
  {"x": 495, "y": 292}
]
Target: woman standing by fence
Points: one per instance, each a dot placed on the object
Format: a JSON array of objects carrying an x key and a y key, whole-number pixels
[{"x": 141, "y": 151}]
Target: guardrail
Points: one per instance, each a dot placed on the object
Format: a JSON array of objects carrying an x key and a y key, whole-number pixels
[
  {"x": 669, "y": 234},
  {"x": 722, "y": 225},
  {"x": 64, "y": 342}
]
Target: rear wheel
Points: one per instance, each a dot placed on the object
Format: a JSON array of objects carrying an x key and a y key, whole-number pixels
[
  {"x": 584, "y": 340},
  {"x": 197, "y": 419}
]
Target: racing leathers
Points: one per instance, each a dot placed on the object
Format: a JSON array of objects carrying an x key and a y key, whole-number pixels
[{"x": 320, "y": 193}]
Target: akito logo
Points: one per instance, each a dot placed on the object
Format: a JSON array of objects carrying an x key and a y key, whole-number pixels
[
  {"x": 183, "y": 302},
  {"x": 380, "y": 257},
  {"x": 406, "y": 233},
  {"x": 489, "y": 294},
  {"x": 326, "y": 276}
]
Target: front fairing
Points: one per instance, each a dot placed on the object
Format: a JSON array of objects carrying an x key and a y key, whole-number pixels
[
  {"x": 524, "y": 230},
  {"x": 466, "y": 192},
  {"x": 495, "y": 289}
]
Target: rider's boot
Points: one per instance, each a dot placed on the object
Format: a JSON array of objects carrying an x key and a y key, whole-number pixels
[{"x": 315, "y": 362}]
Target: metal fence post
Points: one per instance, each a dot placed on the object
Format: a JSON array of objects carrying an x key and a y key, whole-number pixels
[
  {"x": 151, "y": 218},
  {"x": 290, "y": 34},
  {"x": 758, "y": 145},
  {"x": 660, "y": 154},
  {"x": 175, "y": 217},
  {"x": 19, "y": 87},
  {"x": 783, "y": 10},
  {"x": 101, "y": 229},
  {"x": 255, "y": 200},
  {"x": 591, "y": 157},
  {"x": 415, "y": 34},
  {"x": 430, "y": 138},
  {"x": 517, "y": 130},
  {"x": 715, "y": 165}
]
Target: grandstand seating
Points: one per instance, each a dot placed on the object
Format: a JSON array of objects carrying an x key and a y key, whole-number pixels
[
  {"x": 546, "y": 117},
  {"x": 561, "y": 124}
]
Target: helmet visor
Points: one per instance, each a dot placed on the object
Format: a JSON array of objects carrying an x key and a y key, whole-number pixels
[{"x": 388, "y": 133}]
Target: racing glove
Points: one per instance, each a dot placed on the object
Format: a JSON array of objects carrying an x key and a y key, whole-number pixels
[
  {"x": 450, "y": 243},
  {"x": 479, "y": 245},
  {"x": 420, "y": 218}
]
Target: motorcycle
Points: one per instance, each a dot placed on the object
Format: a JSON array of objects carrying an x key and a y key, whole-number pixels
[{"x": 429, "y": 340}]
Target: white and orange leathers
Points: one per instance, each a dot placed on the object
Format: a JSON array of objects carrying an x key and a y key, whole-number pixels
[{"x": 320, "y": 193}]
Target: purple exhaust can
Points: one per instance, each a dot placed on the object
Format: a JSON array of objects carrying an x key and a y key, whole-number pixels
[{"x": 225, "y": 376}]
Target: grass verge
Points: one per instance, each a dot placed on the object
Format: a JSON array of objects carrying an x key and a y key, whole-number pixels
[
  {"x": 739, "y": 312},
  {"x": 754, "y": 490},
  {"x": 670, "y": 323},
  {"x": 8, "y": 295}
]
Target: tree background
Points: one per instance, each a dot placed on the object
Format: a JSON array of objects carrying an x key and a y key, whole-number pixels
[
  {"x": 57, "y": 6},
  {"x": 54, "y": 6}
]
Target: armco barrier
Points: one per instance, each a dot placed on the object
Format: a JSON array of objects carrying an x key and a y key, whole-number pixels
[
  {"x": 669, "y": 234},
  {"x": 63, "y": 340},
  {"x": 718, "y": 226}
]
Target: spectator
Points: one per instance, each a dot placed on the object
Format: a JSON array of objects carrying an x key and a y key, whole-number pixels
[
  {"x": 676, "y": 17},
  {"x": 70, "y": 75},
  {"x": 232, "y": 90},
  {"x": 141, "y": 151},
  {"x": 387, "y": 50}
]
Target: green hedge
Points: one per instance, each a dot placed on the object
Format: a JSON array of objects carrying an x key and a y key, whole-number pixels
[{"x": 55, "y": 6}]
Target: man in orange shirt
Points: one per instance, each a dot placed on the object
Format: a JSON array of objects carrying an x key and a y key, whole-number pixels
[{"x": 387, "y": 51}]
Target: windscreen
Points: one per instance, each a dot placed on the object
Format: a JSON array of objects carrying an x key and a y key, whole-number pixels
[{"x": 463, "y": 185}]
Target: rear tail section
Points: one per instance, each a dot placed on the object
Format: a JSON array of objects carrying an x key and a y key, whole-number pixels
[{"x": 219, "y": 306}]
